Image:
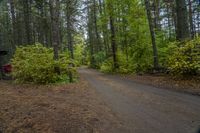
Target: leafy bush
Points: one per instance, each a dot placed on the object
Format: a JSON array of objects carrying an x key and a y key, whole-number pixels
[
  {"x": 80, "y": 55},
  {"x": 100, "y": 57},
  {"x": 35, "y": 64},
  {"x": 97, "y": 59},
  {"x": 184, "y": 58},
  {"x": 125, "y": 65},
  {"x": 107, "y": 66}
]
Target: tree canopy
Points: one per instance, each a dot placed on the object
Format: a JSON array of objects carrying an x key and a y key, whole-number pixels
[{"x": 114, "y": 36}]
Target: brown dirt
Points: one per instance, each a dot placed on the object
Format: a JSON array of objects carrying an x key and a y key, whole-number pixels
[
  {"x": 191, "y": 85},
  {"x": 73, "y": 108}
]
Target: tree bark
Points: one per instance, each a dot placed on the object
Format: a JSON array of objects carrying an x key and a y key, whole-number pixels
[
  {"x": 191, "y": 19},
  {"x": 182, "y": 21},
  {"x": 152, "y": 32},
  {"x": 14, "y": 32},
  {"x": 27, "y": 21},
  {"x": 54, "y": 21},
  {"x": 113, "y": 43},
  {"x": 54, "y": 4},
  {"x": 96, "y": 27}
]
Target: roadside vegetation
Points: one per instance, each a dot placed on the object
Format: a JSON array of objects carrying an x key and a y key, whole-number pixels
[
  {"x": 44, "y": 42},
  {"x": 35, "y": 64},
  {"x": 178, "y": 59},
  {"x": 126, "y": 37}
]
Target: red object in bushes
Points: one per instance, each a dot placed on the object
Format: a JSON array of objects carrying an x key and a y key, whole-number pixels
[{"x": 7, "y": 68}]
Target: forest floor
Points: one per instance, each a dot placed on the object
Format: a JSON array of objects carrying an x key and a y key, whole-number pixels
[
  {"x": 73, "y": 108},
  {"x": 101, "y": 103},
  {"x": 189, "y": 85}
]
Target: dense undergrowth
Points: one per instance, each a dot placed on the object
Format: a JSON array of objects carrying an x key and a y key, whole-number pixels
[
  {"x": 176, "y": 58},
  {"x": 35, "y": 64}
]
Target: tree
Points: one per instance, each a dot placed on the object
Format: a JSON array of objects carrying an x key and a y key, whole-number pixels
[
  {"x": 27, "y": 20},
  {"x": 14, "y": 32},
  {"x": 152, "y": 32},
  {"x": 182, "y": 20},
  {"x": 54, "y": 10},
  {"x": 71, "y": 12},
  {"x": 121, "y": 34}
]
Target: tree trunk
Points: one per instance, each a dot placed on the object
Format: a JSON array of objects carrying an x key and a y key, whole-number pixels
[
  {"x": 69, "y": 34},
  {"x": 27, "y": 21},
  {"x": 113, "y": 43},
  {"x": 54, "y": 21},
  {"x": 98, "y": 44},
  {"x": 182, "y": 21},
  {"x": 14, "y": 32},
  {"x": 191, "y": 19},
  {"x": 152, "y": 32}
]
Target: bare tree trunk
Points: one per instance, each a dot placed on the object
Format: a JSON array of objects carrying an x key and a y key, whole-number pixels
[
  {"x": 191, "y": 19},
  {"x": 54, "y": 4},
  {"x": 182, "y": 21},
  {"x": 113, "y": 35},
  {"x": 152, "y": 32},
  {"x": 95, "y": 26},
  {"x": 27, "y": 21},
  {"x": 69, "y": 34},
  {"x": 14, "y": 32},
  {"x": 103, "y": 27},
  {"x": 113, "y": 43}
]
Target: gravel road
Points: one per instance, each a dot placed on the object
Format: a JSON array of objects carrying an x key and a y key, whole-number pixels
[{"x": 146, "y": 109}]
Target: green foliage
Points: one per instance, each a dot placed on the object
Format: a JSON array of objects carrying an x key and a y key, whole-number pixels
[
  {"x": 141, "y": 54},
  {"x": 107, "y": 66},
  {"x": 80, "y": 53},
  {"x": 35, "y": 64},
  {"x": 184, "y": 58},
  {"x": 99, "y": 58},
  {"x": 125, "y": 65}
]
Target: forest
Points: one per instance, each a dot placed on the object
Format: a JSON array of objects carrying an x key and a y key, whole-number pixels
[
  {"x": 129, "y": 36},
  {"x": 99, "y": 66}
]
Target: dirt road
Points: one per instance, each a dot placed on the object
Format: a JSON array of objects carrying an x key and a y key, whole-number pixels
[{"x": 146, "y": 109}]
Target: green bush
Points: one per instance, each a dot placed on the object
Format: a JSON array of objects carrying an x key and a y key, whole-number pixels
[
  {"x": 125, "y": 65},
  {"x": 35, "y": 64},
  {"x": 184, "y": 58},
  {"x": 98, "y": 59},
  {"x": 141, "y": 56},
  {"x": 107, "y": 66}
]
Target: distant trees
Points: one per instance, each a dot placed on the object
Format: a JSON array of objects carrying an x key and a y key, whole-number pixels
[
  {"x": 42, "y": 21},
  {"x": 128, "y": 35},
  {"x": 123, "y": 29}
]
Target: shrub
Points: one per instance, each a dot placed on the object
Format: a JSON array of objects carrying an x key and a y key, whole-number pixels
[
  {"x": 97, "y": 59},
  {"x": 35, "y": 64},
  {"x": 184, "y": 60},
  {"x": 107, "y": 66},
  {"x": 125, "y": 65}
]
